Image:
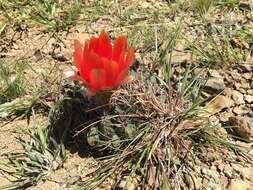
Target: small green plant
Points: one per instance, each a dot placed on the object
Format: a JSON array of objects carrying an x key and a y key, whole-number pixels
[
  {"x": 39, "y": 157},
  {"x": 202, "y": 6},
  {"x": 55, "y": 15},
  {"x": 13, "y": 84},
  {"x": 218, "y": 49},
  {"x": 229, "y": 3}
]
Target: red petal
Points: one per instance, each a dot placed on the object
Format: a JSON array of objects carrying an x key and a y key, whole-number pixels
[
  {"x": 112, "y": 71},
  {"x": 120, "y": 78},
  {"x": 121, "y": 61},
  {"x": 78, "y": 55},
  {"x": 93, "y": 44},
  {"x": 83, "y": 67},
  {"x": 94, "y": 61},
  {"x": 119, "y": 47},
  {"x": 97, "y": 79},
  {"x": 105, "y": 47},
  {"x": 129, "y": 58}
]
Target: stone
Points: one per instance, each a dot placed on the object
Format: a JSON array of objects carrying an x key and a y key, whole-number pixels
[
  {"x": 247, "y": 173},
  {"x": 245, "y": 85},
  {"x": 242, "y": 90},
  {"x": 250, "y": 92},
  {"x": 228, "y": 171},
  {"x": 246, "y": 5},
  {"x": 214, "y": 85},
  {"x": 224, "y": 116},
  {"x": 227, "y": 92},
  {"x": 248, "y": 99},
  {"x": 217, "y": 104},
  {"x": 219, "y": 165},
  {"x": 237, "y": 97},
  {"x": 237, "y": 167},
  {"x": 242, "y": 128},
  {"x": 243, "y": 68},
  {"x": 205, "y": 182},
  {"x": 181, "y": 57},
  {"x": 247, "y": 76},
  {"x": 224, "y": 181},
  {"x": 237, "y": 85},
  {"x": 238, "y": 185},
  {"x": 214, "y": 73},
  {"x": 240, "y": 110}
]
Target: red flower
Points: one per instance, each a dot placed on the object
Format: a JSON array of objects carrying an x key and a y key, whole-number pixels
[{"x": 102, "y": 66}]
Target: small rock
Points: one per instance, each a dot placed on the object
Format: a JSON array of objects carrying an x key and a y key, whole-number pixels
[
  {"x": 240, "y": 110},
  {"x": 247, "y": 76},
  {"x": 243, "y": 68},
  {"x": 197, "y": 182},
  {"x": 227, "y": 92},
  {"x": 250, "y": 92},
  {"x": 237, "y": 185},
  {"x": 217, "y": 104},
  {"x": 228, "y": 171},
  {"x": 251, "y": 152},
  {"x": 247, "y": 173},
  {"x": 180, "y": 57},
  {"x": 215, "y": 85},
  {"x": 245, "y": 5},
  {"x": 224, "y": 116},
  {"x": 220, "y": 166},
  {"x": 245, "y": 85},
  {"x": 59, "y": 57},
  {"x": 39, "y": 55},
  {"x": 205, "y": 182},
  {"x": 214, "y": 73},
  {"x": 237, "y": 97},
  {"x": 243, "y": 128},
  {"x": 242, "y": 90},
  {"x": 237, "y": 167},
  {"x": 237, "y": 85},
  {"x": 248, "y": 99},
  {"x": 224, "y": 181}
]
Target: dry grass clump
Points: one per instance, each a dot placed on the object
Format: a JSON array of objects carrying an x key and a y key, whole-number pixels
[{"x": 145, "y": 135}]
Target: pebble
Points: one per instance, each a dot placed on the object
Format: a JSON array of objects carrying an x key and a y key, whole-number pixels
[
  {"x": 215, "y": 85},
  {"x": 245, "y": 85},
  {"x": 237, "y": 97},
  {"x": 250, "y": 92},
  {"x": 248, "y": 98},
  {"x": 215, "y": 73},
  {"x": 240, "y": 110},
  {"x": 237, "y": 85},
  {"x": 247, "y": 173},
  {"x": 228, "y": 171},
  {"x": 243, "y": 68},
  {"x": 217, "y": 104},
  {"x": 247, "y": 76},
  {"x": 238, "y": 185},
  {"x": 242, "y": 90},
  {"x": 220, "y": 167},
  {"x": 243, "y": 127},
  {"x": 224, "y": 116}
]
